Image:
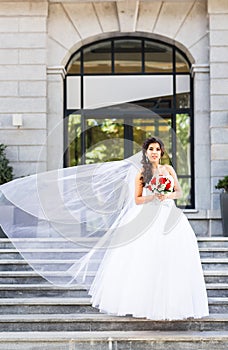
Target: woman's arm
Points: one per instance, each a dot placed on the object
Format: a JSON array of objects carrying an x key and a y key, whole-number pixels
[
  {"x": 177, "y": 193},
  {"x": 139, "y": 198}
]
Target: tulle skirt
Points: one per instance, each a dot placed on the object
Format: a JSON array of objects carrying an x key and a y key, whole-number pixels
[{"x": 157, "y": 276}]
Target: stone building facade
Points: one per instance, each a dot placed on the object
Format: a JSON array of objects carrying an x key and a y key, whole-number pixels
[{"x": 37, "y": 39}]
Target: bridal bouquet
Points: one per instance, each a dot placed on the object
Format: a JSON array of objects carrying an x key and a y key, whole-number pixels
[{"x": 161, "y": 184}]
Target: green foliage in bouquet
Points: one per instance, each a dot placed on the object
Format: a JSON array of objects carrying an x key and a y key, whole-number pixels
[
  {"x": 223, "y": 183},
  {"x": 6, "y": 171}
]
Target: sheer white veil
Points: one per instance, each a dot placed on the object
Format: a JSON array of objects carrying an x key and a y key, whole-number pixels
[{"x": 88, "y": 209}]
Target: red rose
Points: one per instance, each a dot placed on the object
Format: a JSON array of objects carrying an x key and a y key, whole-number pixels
[
  {"x": 153, "y": 181},
  {"x": 168, "y": 185},
  {"x": 162, "y": 180}
]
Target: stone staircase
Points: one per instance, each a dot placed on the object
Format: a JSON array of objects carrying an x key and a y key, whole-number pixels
[{"x": 35, "y": 314}]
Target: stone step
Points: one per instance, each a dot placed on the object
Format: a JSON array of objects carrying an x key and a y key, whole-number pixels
[
  {"x": 102, "y": 322},
  {"x": 118, "y": 340},
  {"x": 53, "y": 305},
  {"x": 213, "y": 252},
  {"x": 212, "y": 242}
]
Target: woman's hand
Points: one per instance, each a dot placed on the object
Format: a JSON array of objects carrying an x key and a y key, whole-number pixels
[{"x": 161, "y": 197}]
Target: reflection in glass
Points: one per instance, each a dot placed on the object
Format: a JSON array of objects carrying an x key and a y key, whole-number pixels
[
  {"x": 128, "y": 56},
  {"x": 182, "y": 65},
  {"x": 183, "y": 150},
  {"x": 185, "y": 184},
  {"x": 153, "y": 126},
  {"x": 97, "y": 58},
  {"x": 158, "y": 58},
  {"x": 104, "y": 140},
  {"x": 74, "y": 139},
  {"x": 183, "y": 100}
]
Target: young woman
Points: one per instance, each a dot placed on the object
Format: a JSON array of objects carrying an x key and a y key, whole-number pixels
[{"x": 157, "y": 275}]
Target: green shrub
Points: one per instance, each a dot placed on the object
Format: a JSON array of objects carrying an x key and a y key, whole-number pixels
[
  {"x": 223, "y": 183},
  {"x": 6, "y": 171}
]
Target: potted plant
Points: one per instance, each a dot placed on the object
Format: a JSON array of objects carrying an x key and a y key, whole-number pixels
[
  {"x": 6, "y": 175},
  {"x": 223, "y": 184}
]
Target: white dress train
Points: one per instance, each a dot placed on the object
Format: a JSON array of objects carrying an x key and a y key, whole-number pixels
[{"x": 157, "y": 275}]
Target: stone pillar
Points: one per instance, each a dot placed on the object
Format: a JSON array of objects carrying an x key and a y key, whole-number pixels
[
  {"x": 218, "y": 39},
  {"x": 55, "y": 77},
  {"x": 201, "y": 148}
]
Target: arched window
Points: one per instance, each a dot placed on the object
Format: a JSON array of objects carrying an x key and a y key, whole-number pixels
[{"x": 122, "y": 90}]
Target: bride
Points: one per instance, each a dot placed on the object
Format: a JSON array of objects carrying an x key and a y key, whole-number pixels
[
  {"x": 123, "y": 222},
  {"x": 158, "y": 275}
]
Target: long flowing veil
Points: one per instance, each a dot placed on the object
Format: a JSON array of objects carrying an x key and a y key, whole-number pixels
[{"x": 85, "y": 208}]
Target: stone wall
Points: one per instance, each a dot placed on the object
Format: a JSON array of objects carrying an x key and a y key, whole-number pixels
[
  {"x": 37, "y": 39},
  {"x": 23, "y": 27}
]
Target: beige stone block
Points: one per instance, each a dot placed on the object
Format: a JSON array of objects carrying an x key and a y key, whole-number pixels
[
  {"x": 202, "y": 160},
  {"x": 127, "y": 14},
  {"x": 18, "y": 137},
  {"x": 219, "y": 70},
  {"x": 202, "y": 94},
  {"x": 32, "y": 56},
  {"x": 218, "y": 22},
  {"x": 202, "y": 191},
  {"x": 56, "y": 54},
  {"x": 219, "y": 54},
  {"x": 79, "y": 15},
  {"x": 12, "y": 153},
  {"x": 219, "y": 102},
  {"x": 9, "y": 25},
  {"x": 58, "y": 20},
  {"x": 23, "y": 8},
  {"x": 219, "y": 152},
  {"x": 34, "y": 121},
  {"x": 217, "y": 6},
  {"x": 8, "y": 88},
  {"x": 9, "y": 56},
  {"x": 200, "y": 50},
  {"x": 22, "y": 105},
  {"x": 22, "y": 40},
  {"x": 107, "y": 16},
  {"x": 219, "y": 119},
  {"x": 147, "y": 15},
  {"x": 28, "y": 168},
  {"x": 32, "y": 153},
  {"x": 197, "y": 19},
  {"x": 202, "y": 128},
  {"x": 23, "y": 72},
  {"x": 219, "y": 86},
  {"x": 171, "y": 18},
  {"x": 219, "y": 37},
  {"x": 55, "y": 151},
  {"x": 32, "y": 88},
  {"x": 33, "y": 24},
  {"x": 219, "y": 167},
  {"x": 219, "y": 136}
]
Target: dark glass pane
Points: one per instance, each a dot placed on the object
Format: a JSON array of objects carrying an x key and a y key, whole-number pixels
[
  {"x": 158, "y": 58},
  {"x": 156, "y": 103},
  {"x": 74, "y": 139},
  {"x": 183, "y": 100},
  {"x": 104, "y": 140},
  {"x": 185, "y": 184},
  {"x": 75, "y": 64},
  {"x": 183, "y": 150},
  {"x": 181, "y": 64},
  {"x": 97, "y": 58},
  {"x": 128, "y": 56}
]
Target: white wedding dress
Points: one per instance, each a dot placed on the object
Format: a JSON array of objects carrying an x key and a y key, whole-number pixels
[
  {"x": 157, "y": 275},
  {"x": 145, "y": 257}
]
